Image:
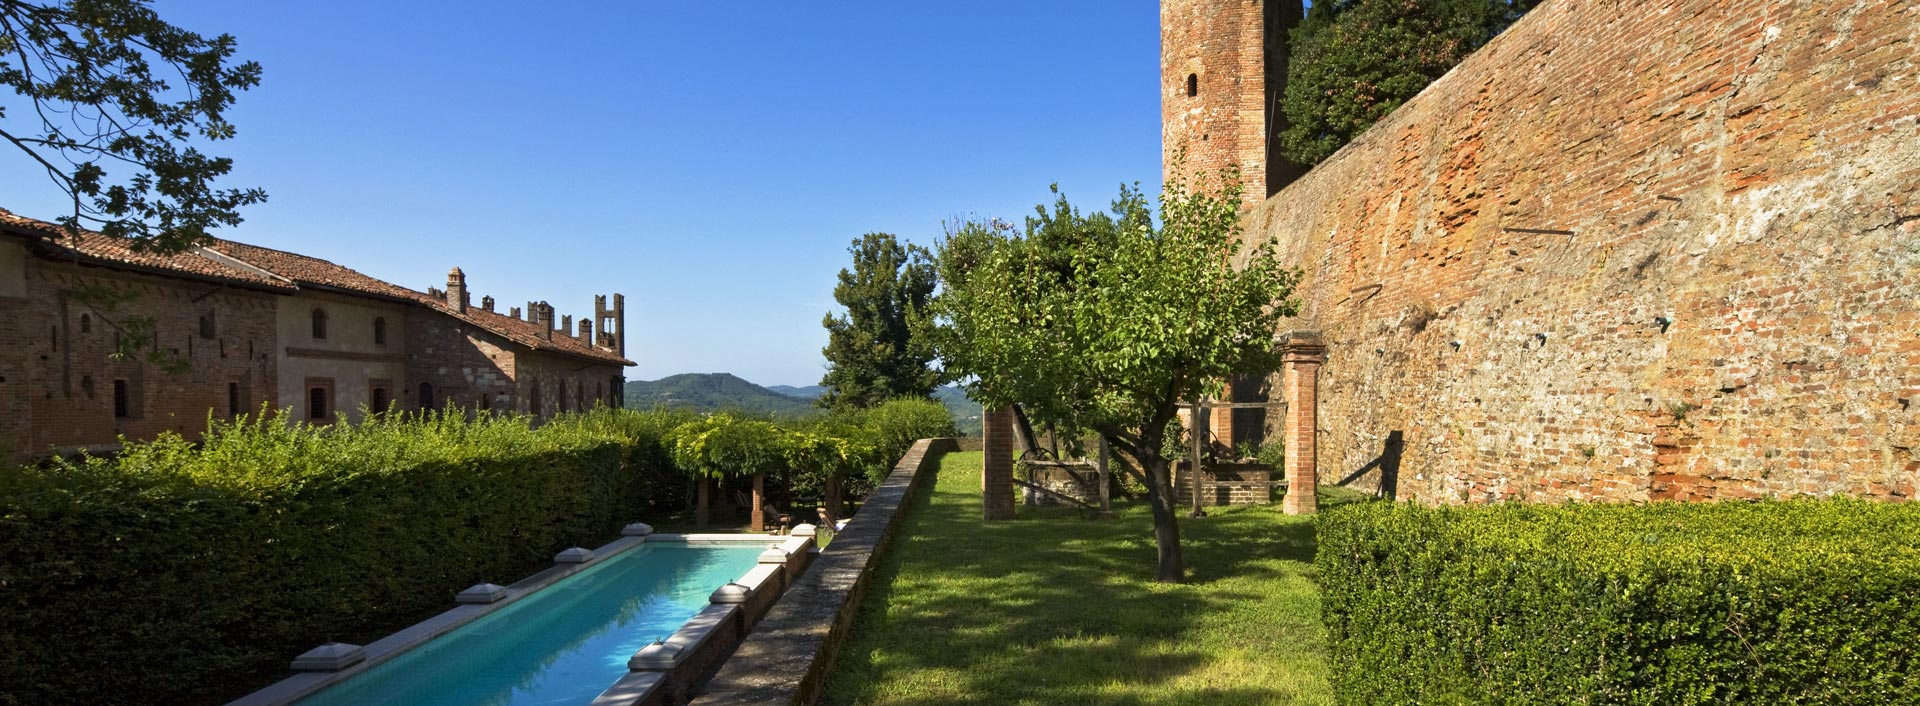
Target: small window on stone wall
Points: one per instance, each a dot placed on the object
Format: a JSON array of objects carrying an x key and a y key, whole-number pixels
[
  {"x": 233, "y": 399},
  {"x": 380, "y": 332},
  {"x": 380, "y": 400},
  {"x": 319, "y": 324},
  {"x": 86, "y": 323},
  {"x": 319, "y": 401},
  {"x": 122, "y": 401},
  {"x": 426, "y": 395},
  {"x": 206, "y": 325},
  {"x": 1193, "y": 85}
]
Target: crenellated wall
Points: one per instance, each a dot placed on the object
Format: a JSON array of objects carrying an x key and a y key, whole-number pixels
[{"x": 1629, "y": 250}]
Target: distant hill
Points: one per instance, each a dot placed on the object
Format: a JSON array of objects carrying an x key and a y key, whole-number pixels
[
  {"x": 965, "y": 411},
  {"x": 808, "y": 393},
  {"x": 711, "y": 392}
]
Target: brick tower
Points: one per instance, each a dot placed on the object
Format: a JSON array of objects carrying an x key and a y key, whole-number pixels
[{"x": 1222, "y": 73}]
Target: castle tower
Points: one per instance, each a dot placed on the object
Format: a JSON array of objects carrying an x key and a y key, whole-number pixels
[{"x": 1222, "y": 75}]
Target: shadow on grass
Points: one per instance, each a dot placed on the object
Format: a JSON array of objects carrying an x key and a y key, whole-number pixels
[{"x": 1054, "y": 609}]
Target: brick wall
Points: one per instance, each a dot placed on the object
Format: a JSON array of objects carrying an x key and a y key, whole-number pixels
[
  {"x": 564, "y": 383},
  {"x": 1219, "y": 44},
  {"x": 472, "y": 367},
  {"x": 57, "y": 379},
  {"x": 1230, "y": 485},
  {"x": 1629, "y": 250}
]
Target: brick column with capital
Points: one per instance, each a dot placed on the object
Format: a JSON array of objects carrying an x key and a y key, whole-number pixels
[
  {"x": 1302, "y": 353},
  {"x": 996, "y": 478}
]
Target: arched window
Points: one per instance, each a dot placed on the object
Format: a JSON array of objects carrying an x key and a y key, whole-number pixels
[
  {"x": 426, "y": 395},
  {"x": 563, "y": 397},
  {"x": 86, "y": 323},
  {"x": 1193, "y": 85},
  {"x": 380, "y": 331},
  {"x": 533, "y": 397},
  {"x": 319, "y": 324}
]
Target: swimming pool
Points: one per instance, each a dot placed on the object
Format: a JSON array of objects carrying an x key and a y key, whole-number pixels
[{"x": 552, "y": 641}]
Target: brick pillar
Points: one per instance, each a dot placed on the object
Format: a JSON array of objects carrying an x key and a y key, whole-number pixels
[
  {"x": 1302, "y": 352},
  {"x": 758, "y": 515},
  {"x": 996, "y": 481},
  {"x": 1221, "y": 422}
]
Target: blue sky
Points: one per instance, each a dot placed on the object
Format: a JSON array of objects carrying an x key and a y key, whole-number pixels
[{"x": 711, "y": 160}]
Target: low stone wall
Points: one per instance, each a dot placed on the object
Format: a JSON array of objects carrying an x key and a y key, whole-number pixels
[
  {"x": 786, "y": 659},
  {"x": 1085, "y": 487},
  {"x": 1233, "y": 484}
]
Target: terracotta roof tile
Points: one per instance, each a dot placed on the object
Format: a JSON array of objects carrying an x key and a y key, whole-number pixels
[
  {"x": 53, "y": 240},
  {"x": 278, "y": 270}
]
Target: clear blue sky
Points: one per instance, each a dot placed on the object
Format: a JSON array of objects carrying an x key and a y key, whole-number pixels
[{"x": 711, "y": 160}]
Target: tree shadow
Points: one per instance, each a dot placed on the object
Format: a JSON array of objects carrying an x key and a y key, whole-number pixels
[
  {"x": 1054, "y": 609},
  {"x": 1386, "y": 484}
]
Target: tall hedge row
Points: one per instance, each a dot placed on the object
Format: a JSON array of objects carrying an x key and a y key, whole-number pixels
[
  {"x": 1781, "y": 602},
  {"x": 184, "y": 574}
]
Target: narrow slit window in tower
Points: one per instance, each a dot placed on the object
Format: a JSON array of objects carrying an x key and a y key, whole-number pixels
[{"x": 1193, "y": 85}]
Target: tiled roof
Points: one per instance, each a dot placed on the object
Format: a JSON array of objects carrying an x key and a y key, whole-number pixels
[
  {"x": 281, "y": 271},
  {"x": 93, "y": 248}
]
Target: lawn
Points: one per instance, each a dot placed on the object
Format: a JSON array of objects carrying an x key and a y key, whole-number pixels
[{"x": 1056, "y": 609}]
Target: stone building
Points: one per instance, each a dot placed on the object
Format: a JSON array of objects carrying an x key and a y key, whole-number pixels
[
  {"x": 238, "y": 326},
  {"x": 1625, "y": 251}
]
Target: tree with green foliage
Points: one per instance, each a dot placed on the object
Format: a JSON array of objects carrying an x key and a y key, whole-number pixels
[
  {"x": 1354, "y": 61},
  {"x": 878, "y": 350},
  {"x": 108, "y": 89},
  {"x": 1108, "y": 323},
  {"x": 721, "y": 446}
]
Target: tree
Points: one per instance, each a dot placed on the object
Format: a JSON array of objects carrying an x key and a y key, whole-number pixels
[
  {"x": 101, "y": 100},
  {"x": 1354, "y": 61},
  {"x": 1107, "y": 323},
  {"x": 722, "y": 446},
  {"x": 878, "y": 350}
]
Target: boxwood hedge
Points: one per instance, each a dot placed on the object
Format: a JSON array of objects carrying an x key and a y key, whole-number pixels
[
  {"x": 183, "y": 573},
  {"x": 1778, "y": 602}
]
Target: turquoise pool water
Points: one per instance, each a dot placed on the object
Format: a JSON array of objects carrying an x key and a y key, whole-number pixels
[{"x": 562, "y": 645}]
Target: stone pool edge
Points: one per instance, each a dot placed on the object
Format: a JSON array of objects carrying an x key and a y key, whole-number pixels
[
  {"x": 786, "y": 659},
  {"x": 566, "y": 563}
]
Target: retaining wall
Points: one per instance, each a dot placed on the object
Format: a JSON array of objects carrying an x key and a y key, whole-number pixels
[
  {"x": 787, "y": 657},
  {"x": 1629, "y": 250}
]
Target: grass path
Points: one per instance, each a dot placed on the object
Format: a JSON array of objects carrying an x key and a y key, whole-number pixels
[{"x": 1055, "y": 609}]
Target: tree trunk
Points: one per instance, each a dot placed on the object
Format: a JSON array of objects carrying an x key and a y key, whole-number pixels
[
  {"x": 833, "y": 505},
  {"x": 758, "y": 514},
  {"x": 700, "y": 512},
  {"x": 1196, "y": 432},
  {"x": 1166, "y": 528}
]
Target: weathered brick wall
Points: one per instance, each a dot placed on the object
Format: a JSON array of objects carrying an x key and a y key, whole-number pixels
[
  {"x": 472, "y": 367},
  {"x": 59, "y": 378},
  {"x": 564, "y": 383},
  {"x": 1227, "y": 486},
  {"x": 1492, "y": 263},
  {"x": 1219, "y": 44}
]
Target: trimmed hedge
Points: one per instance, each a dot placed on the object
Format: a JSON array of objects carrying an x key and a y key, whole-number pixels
[
  {"x": 1778, "y": 602},
  {"x": 179, "y": 573}
]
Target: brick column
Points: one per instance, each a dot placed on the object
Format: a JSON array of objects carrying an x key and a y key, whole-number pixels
[
  {"x": 996, "y": 479},
  {"x": 1302, "y": 352},
  {"x": 1221, "y": 424}
]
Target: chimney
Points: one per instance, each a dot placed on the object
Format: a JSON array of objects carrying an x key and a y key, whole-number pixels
[
  {"x": 533, "y": 312},
  {"x": 514, "y": 312},
  {"x": 545, "y": 316},
  {"x": 566, "y": 325},
  {"x": 457, "y": 290},
  {"x": 487, "y": 304},
  {"x": 586, "y": 331}
]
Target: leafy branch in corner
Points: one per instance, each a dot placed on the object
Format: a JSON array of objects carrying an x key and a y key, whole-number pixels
[
  {"x": 135, "y": 337},
  {"x": 110, "y": 88}
]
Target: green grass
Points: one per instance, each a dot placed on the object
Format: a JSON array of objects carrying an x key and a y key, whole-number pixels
[{"x": 1056, "y": 609}]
